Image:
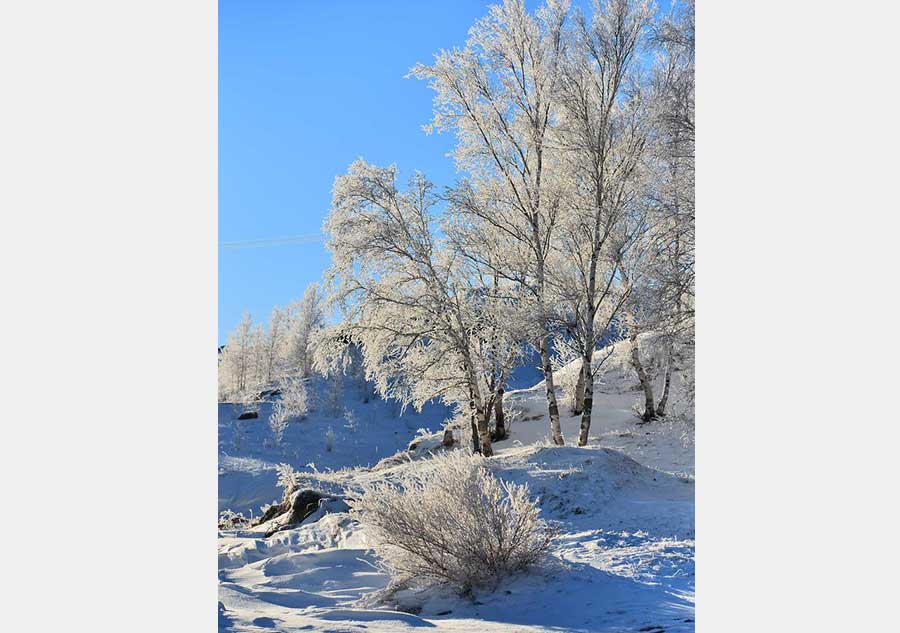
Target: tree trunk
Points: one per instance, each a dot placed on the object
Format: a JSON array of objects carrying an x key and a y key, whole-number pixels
[
  {"x": 476, "y": 446},
  {"x": 649, "y": 407},
  {"x": 578, "y": 405},
  {"x": 447, "y": 441},
  {"x": 587, "y": 397},
  {"x": 552, "y": 407},
  {"x": 661, "y": 407},
  {"x": 499, "y": 417},
  {"x": 484, "y": 434}
]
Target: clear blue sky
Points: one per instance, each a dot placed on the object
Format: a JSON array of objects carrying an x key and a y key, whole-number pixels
[{"x": 306, "y": 87}]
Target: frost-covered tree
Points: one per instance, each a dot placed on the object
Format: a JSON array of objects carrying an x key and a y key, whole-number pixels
[
  {"x": 236, "y": 371},
  {"x": 404, "y": 297},
  {"x": 498, "y": 341},
  {"x": 257, "y": 356},
  {"x": 304, "y": 318},
  {"x": 500, "y": 347},
  {"x": 506, "y": 322},
  {"x": 660, "y": 271},
  {"x": 674, "y": 91},
  {"x": 496, "y": 94},
  {"x": 602, "y": 130},
  {"x": 257, "y": 364},
  {"x": 274, "y": 344},
  {"x": 573, "y": 222}
]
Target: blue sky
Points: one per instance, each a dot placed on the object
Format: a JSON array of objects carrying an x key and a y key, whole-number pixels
[{"x": 306, "y": 87}]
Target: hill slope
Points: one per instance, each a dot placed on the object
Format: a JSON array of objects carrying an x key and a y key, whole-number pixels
[
  {"x": 365, "y": 430},
  {"x": 624, "y": 559}
]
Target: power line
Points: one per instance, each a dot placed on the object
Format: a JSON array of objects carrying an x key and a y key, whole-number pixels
[{"x": 274, "y": 241}]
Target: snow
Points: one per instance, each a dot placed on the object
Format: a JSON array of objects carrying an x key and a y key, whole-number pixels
[
  {"x": 665, "y": 445},
  {"x": 247, "y": 455},
  {"x": 613, "y": 424},
  {"x": 623, "y": 505}
]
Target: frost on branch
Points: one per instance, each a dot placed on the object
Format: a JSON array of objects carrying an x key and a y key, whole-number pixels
[
  {"x": 407, "y": 300},
  {"x": 451, "y": 521}
]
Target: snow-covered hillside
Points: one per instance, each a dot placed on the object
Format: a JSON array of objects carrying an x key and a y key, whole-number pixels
[
  {"x": 623, "y": 505},
  {"x": 667, "y": 444},
  {"x": 363, "y": 430}
]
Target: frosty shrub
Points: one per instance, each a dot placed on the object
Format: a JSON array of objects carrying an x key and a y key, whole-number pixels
[
  {"x": 287, "y": 478},
  {"x": 451, "y": 521},
  {"x": 278, "y": 422},
  {"x": 350, "y": 421},
  {"x": 229, "y": 520},
  {"x": 293, "y": 405}
]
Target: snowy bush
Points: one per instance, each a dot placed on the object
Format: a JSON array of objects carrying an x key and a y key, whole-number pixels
[
  {"x": 514, "y": 415},
  {"x": 229, "y": 520},
  {"x": 278, "y": 422},
  {"x": 350, "y": 421},
  {"x": 451, "y": 521},
  {"x": 293, "y": 405},
  {"x": 288, "y": 478}
]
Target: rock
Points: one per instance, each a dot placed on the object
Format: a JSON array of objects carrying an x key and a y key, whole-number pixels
[
  {"x": 305, "y": 503},
  {"x": 301, "y": 505},
  {"x": 247, "y": 415}
]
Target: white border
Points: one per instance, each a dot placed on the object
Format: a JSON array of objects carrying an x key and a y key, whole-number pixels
[
  {"x": 109, "y": 144},
  {"x": 796, "y": 330}
]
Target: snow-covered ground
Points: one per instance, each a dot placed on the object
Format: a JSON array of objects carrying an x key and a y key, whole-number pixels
[
  {"x": 364, "y": 433},
  {"x": 624, "y": 507}
]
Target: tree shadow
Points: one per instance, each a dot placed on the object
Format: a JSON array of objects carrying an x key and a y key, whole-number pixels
[{"x": 583, "y": 599}]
